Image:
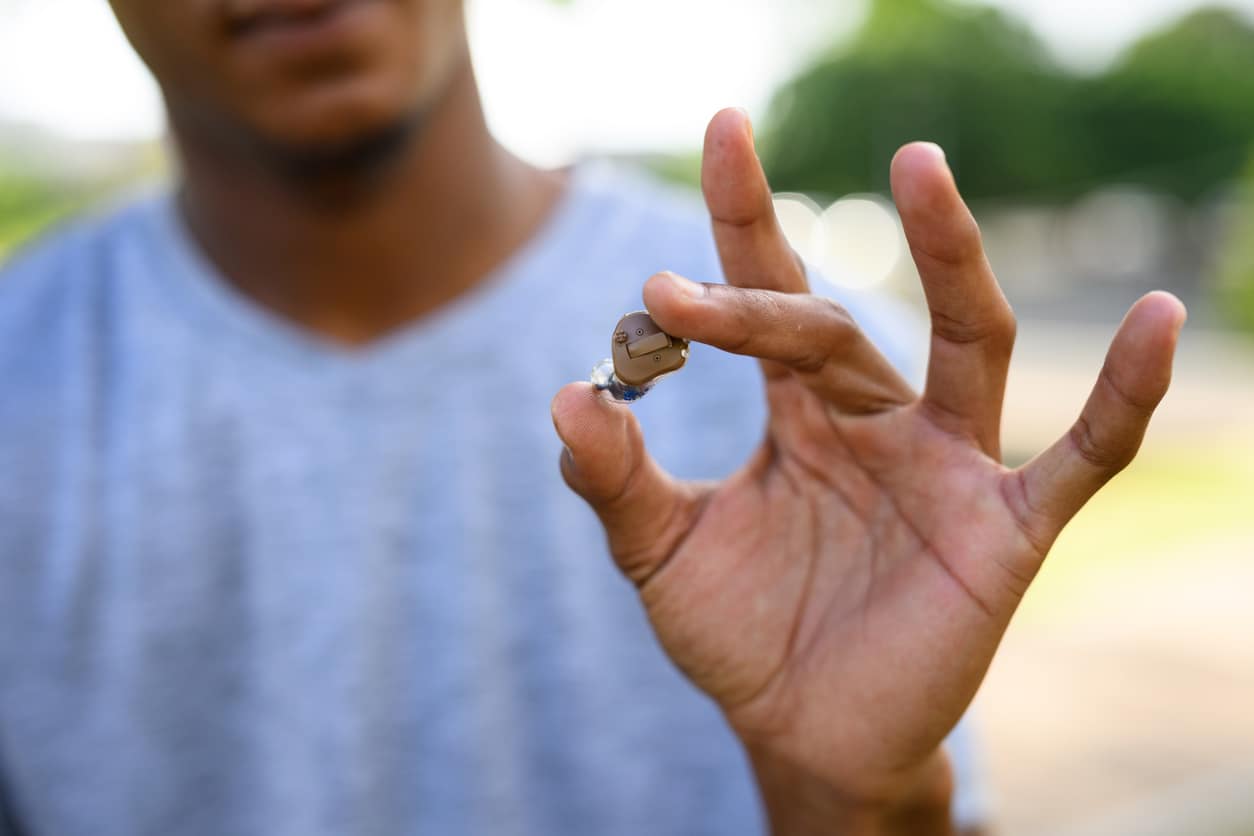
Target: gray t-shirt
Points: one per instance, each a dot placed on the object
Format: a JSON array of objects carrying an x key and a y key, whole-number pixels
[{"x": 253, "y": 583}]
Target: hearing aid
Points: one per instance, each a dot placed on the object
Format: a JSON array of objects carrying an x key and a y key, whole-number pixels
[{"x": 641, "y": 354}]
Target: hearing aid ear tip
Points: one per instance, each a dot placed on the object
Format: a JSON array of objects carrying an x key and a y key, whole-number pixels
[{"x": 603, "y": 374}]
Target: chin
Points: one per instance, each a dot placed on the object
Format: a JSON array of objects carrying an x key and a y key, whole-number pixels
[{"x": 335, "y": 117}]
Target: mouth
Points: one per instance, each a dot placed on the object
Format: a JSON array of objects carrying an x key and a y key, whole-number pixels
[{"x": 294, "y": 24}]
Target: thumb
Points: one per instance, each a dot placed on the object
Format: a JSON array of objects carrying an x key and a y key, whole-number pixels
[{"x": 645, "y": 510}]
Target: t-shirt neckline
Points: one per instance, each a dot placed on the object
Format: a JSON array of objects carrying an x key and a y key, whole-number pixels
[{"x": 204, "y": 292}]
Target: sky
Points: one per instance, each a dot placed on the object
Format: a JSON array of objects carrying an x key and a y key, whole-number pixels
[{"x": 558, "y": 81}]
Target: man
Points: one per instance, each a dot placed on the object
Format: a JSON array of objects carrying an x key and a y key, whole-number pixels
[{"x": 283, "y": 547}]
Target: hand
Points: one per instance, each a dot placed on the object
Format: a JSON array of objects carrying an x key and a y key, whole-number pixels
[{"x": 841, "y": 596}]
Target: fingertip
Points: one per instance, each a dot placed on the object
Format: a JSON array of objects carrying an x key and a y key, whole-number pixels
[
  {"x": 1154, "y": 322},
  {"x": 570, "y": 409},
  {"x": 732, "y": 180},
  {"x": 567, "y": 397},
  {"x": 731, "y": 125},
  {"x": 668, "y": 285},
  {"x": 921, "y": 152},
  {"x": 602, "y": 439},
  {"x": 920, "y": 173},
  {"x": 668, "y": 296},
  {"x": 1142, "y": 353},
  {"x": 1165, "y": 307},
  {"x": 937, "y": 221}
]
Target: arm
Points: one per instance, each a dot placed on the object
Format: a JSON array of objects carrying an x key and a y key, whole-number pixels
[{"x": 841, "y": 596}]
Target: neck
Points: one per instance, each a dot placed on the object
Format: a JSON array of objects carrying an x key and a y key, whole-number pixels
[{"x": 354, "y": 245}]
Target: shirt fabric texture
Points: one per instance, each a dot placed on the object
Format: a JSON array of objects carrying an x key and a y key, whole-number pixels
[{"x": 255, "y": 583}]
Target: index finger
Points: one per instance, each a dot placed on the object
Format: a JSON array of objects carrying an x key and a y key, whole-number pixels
[{"x": 811, "y": 336}]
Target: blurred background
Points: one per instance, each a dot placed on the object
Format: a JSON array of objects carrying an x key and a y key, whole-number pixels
[{"x": 1107, "y": 149}]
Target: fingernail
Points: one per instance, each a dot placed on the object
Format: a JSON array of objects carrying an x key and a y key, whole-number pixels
[
  {"x": 686, "y": 287},
  {"x": 935, "y": 150}
]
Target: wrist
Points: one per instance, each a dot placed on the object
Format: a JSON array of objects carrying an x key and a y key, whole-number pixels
[{"x": 800, "y": 800}]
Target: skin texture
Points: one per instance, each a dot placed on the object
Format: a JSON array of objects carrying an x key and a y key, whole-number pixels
[{"x": 841, "y": 596}]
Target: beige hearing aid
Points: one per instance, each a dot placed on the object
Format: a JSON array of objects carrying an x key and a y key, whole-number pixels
[{"x": 642, "y": 354}]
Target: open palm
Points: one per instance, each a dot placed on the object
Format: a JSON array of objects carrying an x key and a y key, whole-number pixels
[{"x": 842, "y": 595}]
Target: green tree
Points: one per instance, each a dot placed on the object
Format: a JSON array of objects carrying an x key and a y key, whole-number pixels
[
  {"x": 972, "y": 79},
  {"x": 1176, "y": 111},
  {"x": 29, "y": 204}
]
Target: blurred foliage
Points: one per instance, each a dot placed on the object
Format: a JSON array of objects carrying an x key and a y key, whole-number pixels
[
  {"x": 1236, "y": 265},
  {"x": 1202, "y": 486},
  {"x": 682, "y": 168},
  {"x": 1175, "y": 112},
  {"x": 44, "y": 180},
  {"x": 28, "y": 204}
]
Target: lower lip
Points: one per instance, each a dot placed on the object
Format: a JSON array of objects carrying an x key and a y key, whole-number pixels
[{"x": 316, "y": 33}]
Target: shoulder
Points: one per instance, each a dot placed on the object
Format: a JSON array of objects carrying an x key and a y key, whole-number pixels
[
  {"x": 56, "y": 291},
  {"x": 36, "y": 271},
  {"x": 67, "y": 261}
]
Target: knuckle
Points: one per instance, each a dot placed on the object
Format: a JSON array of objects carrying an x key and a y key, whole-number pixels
[
  {"x": 974, "y": 233},
  {"x": 1141, "y": 407},
  {"x": 809, "y": 359},
  {"x": 832, "y": 332},
  {"x": 757, "y": 307},
  {"x": 999, "y": 328},
  {"x": 1005, "y": 325},
  {"x": 839, "y": 329},
  {"x": 959, "y": 331},
  {"x": 754, "y": 313},
  {"x": 835, "y": 313},
  {"x": 956, "y": 247},
  {"x": 771, "y": 306},
  {"x": 1102, "y": 453}
]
